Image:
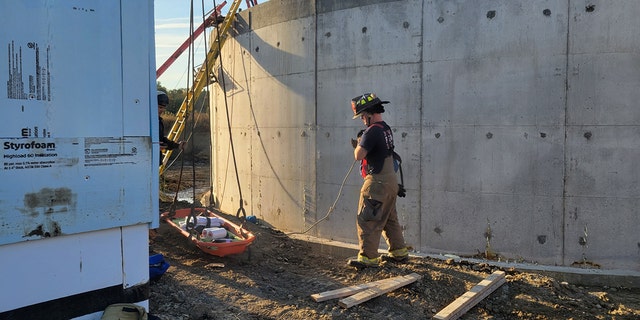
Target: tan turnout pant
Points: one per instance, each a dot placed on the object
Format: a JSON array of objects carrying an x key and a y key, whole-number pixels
[{"x": 377, "y": 215}]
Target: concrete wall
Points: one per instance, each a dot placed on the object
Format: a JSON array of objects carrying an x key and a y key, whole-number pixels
[{"x": 517, "y": 122}]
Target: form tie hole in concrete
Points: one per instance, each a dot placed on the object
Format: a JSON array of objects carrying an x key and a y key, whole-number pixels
[
  {"x": 582, "y": 241},
  {"x": 542, "y": 239},
  {"x": 590, "y": 8},
  {"x": 328, "y": 34},
  {"x": 546, "y": 12},
  {"x": 491, "y": 14},
  {"x": 364, "y": 29},
  {"x": 439, "y": 231},
  {"x": 405, "y": 25},
  {"x": 543, "y": 135},
  {"x": 440, "y": 20},
  {"x": 588, "y": 135},
  {"x": 437, "y": 135},
  {"x": 257, "y": 49},
  {"x": 489, "y": 135}
]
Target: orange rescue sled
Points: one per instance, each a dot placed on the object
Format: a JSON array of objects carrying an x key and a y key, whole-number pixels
[{"x": 236, "y": 240}]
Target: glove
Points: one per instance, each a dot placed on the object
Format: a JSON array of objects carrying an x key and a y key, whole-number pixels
[
  {"x": 402, "y": 192},
  {"x": 355, "y": 142}
]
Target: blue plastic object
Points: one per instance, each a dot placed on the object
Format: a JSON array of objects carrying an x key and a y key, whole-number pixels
[
  {"x": 157, "y": 266},
  {"x": 252, "y": 219}
]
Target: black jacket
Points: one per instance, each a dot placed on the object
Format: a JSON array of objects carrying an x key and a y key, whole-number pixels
[{"x": 164, "y": 141}]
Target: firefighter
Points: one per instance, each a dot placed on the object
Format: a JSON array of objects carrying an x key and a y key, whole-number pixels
[
  {"x": 377, "y": 215},
  {"x": 165, "y": 143}
]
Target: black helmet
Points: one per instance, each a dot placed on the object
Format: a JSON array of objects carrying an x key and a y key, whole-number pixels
[
  {"x": 366, "y": 102},
  {"x": 163, "y": 99}
]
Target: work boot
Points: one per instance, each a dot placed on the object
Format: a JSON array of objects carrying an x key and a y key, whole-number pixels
[
  {"x": 397, "y": 255},
  {"x": 364, "y": 262}
]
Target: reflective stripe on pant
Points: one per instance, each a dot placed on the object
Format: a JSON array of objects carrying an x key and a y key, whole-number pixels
[{"x": 381, "y": 187}]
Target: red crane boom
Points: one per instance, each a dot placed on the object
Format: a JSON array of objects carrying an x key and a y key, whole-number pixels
[{"x": 210, "y": 21}]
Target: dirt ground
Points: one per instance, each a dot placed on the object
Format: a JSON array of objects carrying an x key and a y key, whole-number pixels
[{"x": 276, "y": 276}]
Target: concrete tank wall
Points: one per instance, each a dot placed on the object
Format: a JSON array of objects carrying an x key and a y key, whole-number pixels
[{"x": 517, "y": 122}]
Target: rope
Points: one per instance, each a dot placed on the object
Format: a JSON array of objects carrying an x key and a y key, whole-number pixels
[
  {"x": 188, "y": 138},
  {"x": 191, "y": 138},
  {"x": 333, "y": 206},
  {"x": 206, "y": 89},
  {"x": 235, "y": 164},
  {"x": 192, "y": 213},
  {"x": 233, "y": 151}
]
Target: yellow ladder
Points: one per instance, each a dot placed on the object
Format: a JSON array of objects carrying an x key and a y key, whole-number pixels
[{"x": 199, "y": 83}]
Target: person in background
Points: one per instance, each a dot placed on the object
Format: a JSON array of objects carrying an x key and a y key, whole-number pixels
[
  {"x": 165, "y": 143},
  {"x": 377, "y": 215}
]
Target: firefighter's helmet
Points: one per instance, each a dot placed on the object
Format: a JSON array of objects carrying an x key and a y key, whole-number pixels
[
  {"x": 367, "y": 102},
  {"x": 163, "y": 99}
]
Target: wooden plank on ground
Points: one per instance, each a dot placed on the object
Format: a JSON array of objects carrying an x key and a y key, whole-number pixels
[
  {"x": 347, "y": 291},
  {"x": 465, "y": 302},
  {"x": 372, "y": 292}
]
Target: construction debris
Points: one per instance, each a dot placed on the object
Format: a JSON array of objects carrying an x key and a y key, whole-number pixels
[
  {"x": 363, "y": 292},
  {"x": 465, "y": 302}
]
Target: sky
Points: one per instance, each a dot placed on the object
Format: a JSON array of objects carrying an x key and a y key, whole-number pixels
[{"x": 172, "y": 25}]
